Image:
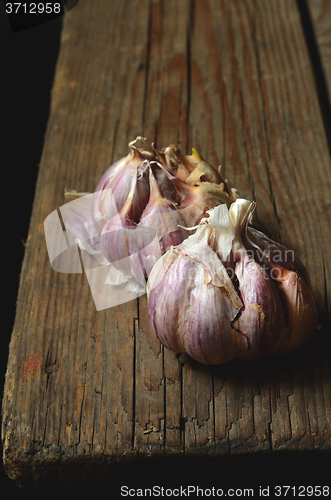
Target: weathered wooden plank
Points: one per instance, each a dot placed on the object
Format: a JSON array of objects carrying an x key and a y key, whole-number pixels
[{"x": 234, "y": 80}]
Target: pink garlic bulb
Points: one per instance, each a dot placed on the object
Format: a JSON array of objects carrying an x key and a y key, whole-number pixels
[{"x": 211, "y": 299}]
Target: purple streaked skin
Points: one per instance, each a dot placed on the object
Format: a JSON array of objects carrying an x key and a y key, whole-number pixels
[
  {"x": 202, "y": 328},
  {"x": 110, "y": 181},
  {"x": 165, "y": 185},
  {"x": 164, "y": 225},
  {"x": 260, "y": 326},
  {"x": 117, "y": 180},
  {"x": 163, "y": 216},
  {"x": 293, "y": 286},
  {"x": 172, "y": 239},
  {"x": 118, "y": 239}
]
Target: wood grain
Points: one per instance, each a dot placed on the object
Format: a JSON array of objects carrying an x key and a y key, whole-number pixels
[{"x": 234, "y": 80}]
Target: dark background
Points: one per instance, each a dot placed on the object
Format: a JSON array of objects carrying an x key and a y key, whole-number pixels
[{"x": 27, "y": 65}]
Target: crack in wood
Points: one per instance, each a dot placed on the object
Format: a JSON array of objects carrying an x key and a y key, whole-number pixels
[{"x": 317, "y": 65}]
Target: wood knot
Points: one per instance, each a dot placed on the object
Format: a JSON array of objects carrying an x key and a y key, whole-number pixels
[{"x": 51, "y": 368}]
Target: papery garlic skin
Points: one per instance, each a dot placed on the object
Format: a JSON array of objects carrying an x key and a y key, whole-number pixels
[
  {"x": 198, "y": 169},
  {"x": 198, "y": 199}
]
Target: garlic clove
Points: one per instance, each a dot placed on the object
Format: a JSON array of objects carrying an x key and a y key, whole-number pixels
[
  {"x": 117, "y": 240},
  {"x": 260, "y": 326},
  {"x": 131, "y": 248},
  {"x": 171, "y": 164},
  {"x": 115, "y": 185},
  {"x": 167, "y": 188},
  {"x": 293, "y": 286},
  {"x": 163, "y": 216},
  {"x": 209, "y": 340},
  {"x": 299, "y": 305},
  {"x": 268, "y": 249}
]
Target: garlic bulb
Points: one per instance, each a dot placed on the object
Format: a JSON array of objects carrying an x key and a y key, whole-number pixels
[
  {"x": 212, "y": 298},
  {"x": 143, "y": 190}
]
